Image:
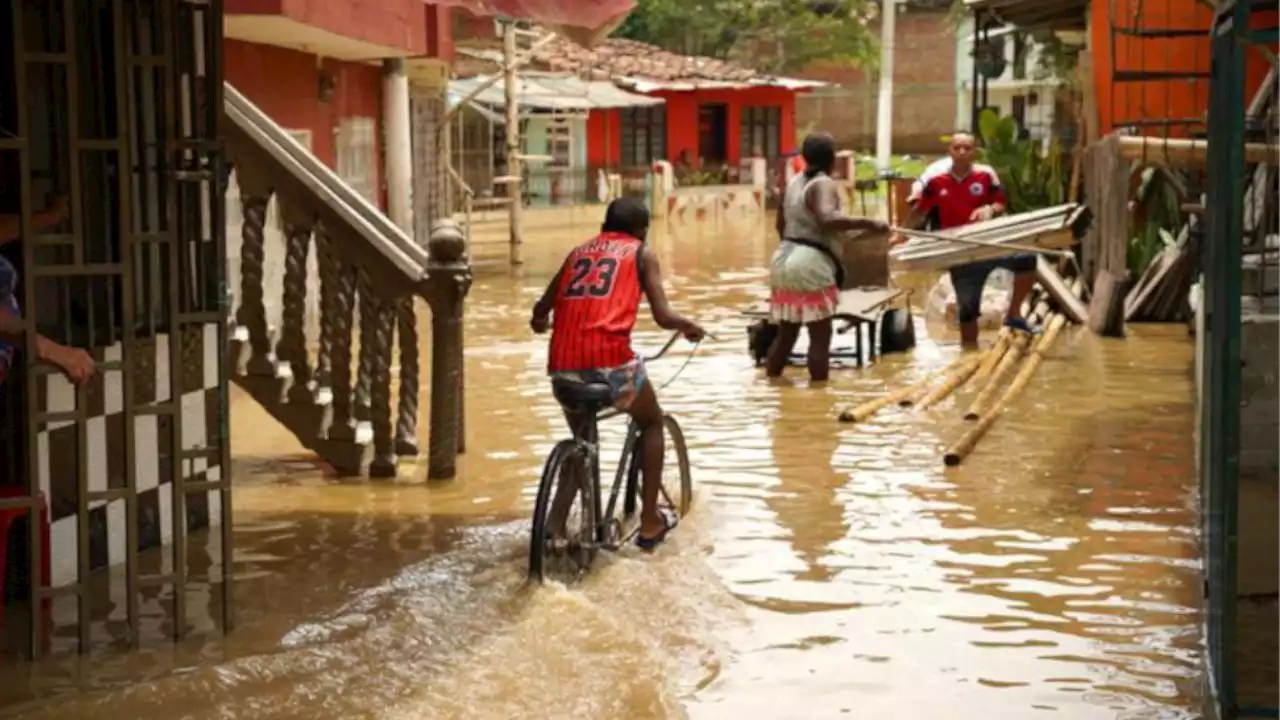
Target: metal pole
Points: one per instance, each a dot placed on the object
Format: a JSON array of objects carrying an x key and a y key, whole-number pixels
[
  {"x": 884, "y": 111},
  {"x": 515, "y": 185}
]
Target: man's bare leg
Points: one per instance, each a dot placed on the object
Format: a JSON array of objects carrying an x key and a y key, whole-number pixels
[
  {"x": 644, "y": 409},
  {"x": 1022, "y": 284},
  {"x": 780, "y": 352}
]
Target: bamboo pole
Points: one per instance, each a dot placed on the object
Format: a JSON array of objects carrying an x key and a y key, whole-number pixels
[
  {"x": 954, "y": 380},
  {"x": 992, "y": 357},
  {"x": 900, "y": 396},
  {"x": 1004, "y": 342},
  {"x": 961, "y": 449},
  {"x": 981, "y": 404}
]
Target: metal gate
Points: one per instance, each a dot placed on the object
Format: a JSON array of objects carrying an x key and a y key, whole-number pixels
[
  {"x": 113, "y": 105},
  {"x": 1220, "y": 408}
]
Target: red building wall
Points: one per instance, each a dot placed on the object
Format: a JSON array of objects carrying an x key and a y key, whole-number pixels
[
  {"x": 394, "y": 23},
  {"x": 289, "y": 93},
  {"x": 604, "y": 128}
]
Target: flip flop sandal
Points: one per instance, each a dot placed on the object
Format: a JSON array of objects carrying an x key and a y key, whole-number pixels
[{"x": 650, "y": 544}]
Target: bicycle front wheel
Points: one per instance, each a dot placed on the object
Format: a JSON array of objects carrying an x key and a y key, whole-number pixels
[
  {"x": 677, "y": 480},
  {"x": 563, "y": 537}
]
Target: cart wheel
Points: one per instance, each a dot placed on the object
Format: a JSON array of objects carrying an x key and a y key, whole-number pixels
[{"x": 897, "y": 331}]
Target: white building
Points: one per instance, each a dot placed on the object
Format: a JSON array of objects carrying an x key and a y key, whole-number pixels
[{"x": 1018, "y": 91}]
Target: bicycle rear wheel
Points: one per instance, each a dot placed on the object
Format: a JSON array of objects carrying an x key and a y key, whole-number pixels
[{"x": 563, "y": 537}]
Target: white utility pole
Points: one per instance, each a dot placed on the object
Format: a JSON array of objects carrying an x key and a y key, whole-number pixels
[{"x": 884, "y": 110}]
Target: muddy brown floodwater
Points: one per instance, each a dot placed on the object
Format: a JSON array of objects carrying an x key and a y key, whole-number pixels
[{"x": 827, "y": 570}]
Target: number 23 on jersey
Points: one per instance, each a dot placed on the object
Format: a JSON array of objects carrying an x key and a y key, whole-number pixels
[{"x": 591, "y": 277}]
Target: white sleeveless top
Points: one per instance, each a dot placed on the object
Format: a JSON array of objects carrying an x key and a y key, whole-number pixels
[{"x": 799, "y": 220}]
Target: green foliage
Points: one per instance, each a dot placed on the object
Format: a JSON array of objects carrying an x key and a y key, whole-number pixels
[
  {"x": 1032, "y": 180},
  {"x": 773, "y": 36},
  {"x": 1157, "y": 207},
  {"x": 1057, "y": 60}
]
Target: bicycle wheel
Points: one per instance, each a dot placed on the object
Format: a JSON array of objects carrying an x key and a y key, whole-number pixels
[
  {"x": 677, "y": 481},
  {"x": 562, "y": 545}
]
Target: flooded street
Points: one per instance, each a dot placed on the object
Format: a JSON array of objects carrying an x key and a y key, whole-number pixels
[{"x": 827, "y": 571}]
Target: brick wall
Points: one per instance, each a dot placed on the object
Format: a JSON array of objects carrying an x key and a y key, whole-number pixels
[{"x": 924, "y": 99}]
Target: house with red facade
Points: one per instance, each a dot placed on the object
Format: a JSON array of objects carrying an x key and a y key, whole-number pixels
[
  {"x": 316, "y": 69},
  {"x": 714, "y": 113}
]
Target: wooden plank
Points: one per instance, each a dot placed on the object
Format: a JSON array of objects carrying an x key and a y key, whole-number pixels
[
  {"x": 1175, "y": 152},
  {"x": 1106, "y": 311},
  {"x": 1146, "y": 284},
  {"x": 1049, "y": 240},
  {"x": 1145, "y": 301},
  {"x": 1068, "y": 303}
]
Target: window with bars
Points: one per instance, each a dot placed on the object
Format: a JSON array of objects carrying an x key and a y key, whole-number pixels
[
  {"x": 761, "y": 129},
  {"x": 357, "y": 151},
  {"x": 644, "y": 135}
]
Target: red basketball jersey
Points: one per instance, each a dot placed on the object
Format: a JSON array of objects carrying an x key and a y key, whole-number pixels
[{"x": 596, "y": 304}]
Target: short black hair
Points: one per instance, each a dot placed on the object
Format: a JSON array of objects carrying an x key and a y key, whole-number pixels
[
  {"x": 628, "y": 216},
  {"x": 819, "y": 152}
]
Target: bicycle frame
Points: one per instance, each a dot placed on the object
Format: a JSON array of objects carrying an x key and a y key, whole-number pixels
[{"x": 628, "y": 466}]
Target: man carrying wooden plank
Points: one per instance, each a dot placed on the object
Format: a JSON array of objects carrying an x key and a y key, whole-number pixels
[{"x": 962, "y": 192}]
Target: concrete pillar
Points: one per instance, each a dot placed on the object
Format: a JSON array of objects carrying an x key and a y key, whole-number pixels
[{"x": 397, "y": 143}]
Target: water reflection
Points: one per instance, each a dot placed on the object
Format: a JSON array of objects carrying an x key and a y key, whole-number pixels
[{"x": 828, "y": 570}]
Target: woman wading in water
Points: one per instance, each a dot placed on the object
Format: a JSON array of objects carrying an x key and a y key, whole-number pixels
[{"x": 807, "y": 273}]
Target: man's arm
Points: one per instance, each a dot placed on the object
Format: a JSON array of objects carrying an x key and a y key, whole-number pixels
[
  {"x": 542, "y": 308},
  {"x": 56, "y": 212},
  {"x": 824, "y": 202},
  {"x": 997, "y": 203},
  {"x": 780, "y": 219},
  {"x": 663, "y": 315},
  {"x": 75, "y": 363}
]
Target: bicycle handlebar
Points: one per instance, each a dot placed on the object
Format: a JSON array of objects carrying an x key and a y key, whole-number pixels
[{"x": 672, "y": 341}]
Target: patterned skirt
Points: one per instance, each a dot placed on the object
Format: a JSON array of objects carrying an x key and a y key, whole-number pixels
[{"x": 803, "y": 283}]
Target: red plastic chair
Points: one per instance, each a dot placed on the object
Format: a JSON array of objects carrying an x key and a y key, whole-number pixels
[{"x": 8, "y": 516}]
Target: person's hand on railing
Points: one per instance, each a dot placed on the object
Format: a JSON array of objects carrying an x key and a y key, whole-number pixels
[{"x": 75, "y": 363}]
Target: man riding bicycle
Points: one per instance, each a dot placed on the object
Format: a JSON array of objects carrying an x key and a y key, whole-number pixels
[{"x": 594, "y": 300}]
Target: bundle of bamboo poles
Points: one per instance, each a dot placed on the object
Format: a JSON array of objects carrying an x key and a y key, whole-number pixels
[
  {"x": 970, "y": 368},
  {"x": 985, "y": 414}
]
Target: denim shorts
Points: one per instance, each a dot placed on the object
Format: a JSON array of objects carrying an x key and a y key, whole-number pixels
[
  {"x": 969, "y": 280},
  {"x": 624, "y": 381}
]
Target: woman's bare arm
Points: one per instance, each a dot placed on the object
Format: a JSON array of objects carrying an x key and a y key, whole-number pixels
[{"x": 824, "y": 202}]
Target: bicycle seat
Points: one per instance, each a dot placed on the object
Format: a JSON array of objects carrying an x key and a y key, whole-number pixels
[{"x": 591, "y": 395}]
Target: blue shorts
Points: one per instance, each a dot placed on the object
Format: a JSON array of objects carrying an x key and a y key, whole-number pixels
[
  {"x": 969, "y": 280},
  {"x": 624, "y": 381}
]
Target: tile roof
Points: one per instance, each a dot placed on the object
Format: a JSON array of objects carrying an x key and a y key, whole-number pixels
[{"x": 617, "y": 57}]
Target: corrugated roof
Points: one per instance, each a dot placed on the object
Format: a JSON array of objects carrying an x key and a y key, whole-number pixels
[{"x": 545, "y": 92}]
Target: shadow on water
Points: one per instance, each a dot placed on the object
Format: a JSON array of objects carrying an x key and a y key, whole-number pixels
[{"x": 828, "y": 571}]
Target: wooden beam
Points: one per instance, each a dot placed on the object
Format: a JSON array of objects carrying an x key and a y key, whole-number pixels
[
  {"x": 1069, "y": 303},
  {"x": 1174, "y": 152}
]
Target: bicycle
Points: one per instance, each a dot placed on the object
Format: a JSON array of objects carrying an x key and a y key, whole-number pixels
[{"x": 600, "y": 528}]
